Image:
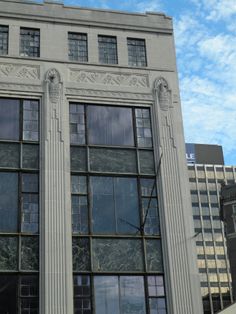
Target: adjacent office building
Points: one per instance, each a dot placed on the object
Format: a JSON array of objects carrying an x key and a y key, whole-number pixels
[
  {"x": 228, "y": 215},
  {"x": 94, "y": 196},
  {"x": 206, "y": 174}
]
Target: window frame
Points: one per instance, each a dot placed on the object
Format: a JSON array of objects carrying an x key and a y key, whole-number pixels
[
  {"x": 134, "y": 54},
  {"x": 105, "y": 48},
  {"x": 33, "y": 43},
  {"x": 4, "y": 50},
  {"x": 83, "y": 58}
]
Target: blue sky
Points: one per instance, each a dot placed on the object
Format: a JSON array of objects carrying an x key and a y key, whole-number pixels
[{"x": 205, "y": 37}]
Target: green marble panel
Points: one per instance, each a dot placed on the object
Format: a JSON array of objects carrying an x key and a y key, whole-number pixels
[
  {"x": 30, "y": 156},
  {"x": 113, "y": 160},
  {"x": 81, "y": 254},
  {"x": 154, "y": 255},
  {"x": 146, "y": 162},
  {"x": 29, "y": 253},
  {"x": 9, "y": 155},
  {"x": 8, "y": 253},
  {"x": 117, "y": 255},
  {"x": 78, "y": 158}
]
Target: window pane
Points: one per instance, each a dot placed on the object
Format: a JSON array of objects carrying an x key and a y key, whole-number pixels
[
  {"x": 107, "y": 50},
  {"x": 8, "y": 253},
  {"x": 106, "y": 295},
  {"x": 82, "y": 294},
  {"x": 150, "y": 216},
  {"x": 132, "y": 295},
  {"x": 30, "y": 213},
  {"x": 79, "y": 214},
  {"x": 78, "y": 185},
  {"x": 31, "y": 120},
  {"x": 29, "y": 253},
  {"x": 3, "y": 41},
  {"x": 9, "y": 119},
  {"x": 9, "y": 155},
  {"x": 29, "y": 286},
  {"x": 136, "y": 52},
  {"x": 115, "y": 201},
  {"x": 77, "y": 124},
  {"x": 143, "y": 127},
  {"x": 29, "y": 42},
  {"x": 81, "y": 254},
  {"x": 30, "y": 156},
  {"x": 8, "y": 294},
  {"x": 8, "y": 201},
  {"x": 146, "y": 162},
  {"x": 112, "y": 160},
  {"x": 110, "y": 125},
  {"x": 154, "y": 255},
  {"x": 78, "y": 158},
  {"x": 117, "y": 255},
  {"x": 30, "y": 182},
  {"x": 77, "y": 43}
]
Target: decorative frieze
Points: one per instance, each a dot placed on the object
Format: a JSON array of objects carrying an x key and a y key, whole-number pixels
[
  {"x": 108, "y": 78},
  {"x": 31, "y": 72}
]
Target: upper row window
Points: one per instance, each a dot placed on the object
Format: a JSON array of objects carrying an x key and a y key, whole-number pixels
[
  {"x": 19, "y": 119},
  {"x": 78, "y": 47}
]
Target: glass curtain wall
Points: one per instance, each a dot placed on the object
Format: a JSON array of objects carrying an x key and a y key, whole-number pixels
[
  {"x": 19, "y": 205},
  {"x": 117, "y": 254}
]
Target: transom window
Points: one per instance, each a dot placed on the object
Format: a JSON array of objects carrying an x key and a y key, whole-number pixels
[
  {"x": 107, "y": 47},
  {"x": 78, "y": 49},
  {"x": 4, "y": 40},
  {"x": 29, "y": 42},
  {"x": 136, "y": 52}
]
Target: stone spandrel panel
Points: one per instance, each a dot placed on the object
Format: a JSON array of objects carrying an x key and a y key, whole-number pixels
[{"x": 19, "y": 71}]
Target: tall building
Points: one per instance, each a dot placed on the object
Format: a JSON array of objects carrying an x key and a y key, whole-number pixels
[
  {"x": 94, "y": 194},
  {"x": 228, "y": 215},
  {"x": 206, "y": 174}
]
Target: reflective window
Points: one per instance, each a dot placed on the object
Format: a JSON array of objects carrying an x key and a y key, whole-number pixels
[
  {"x": 136, "y": 52},
  {"x": 82, "y": 294},
  {"x": 31, "y": 120},
  {"x": 4, "y": 40},
  {"x": 107, "y": 47},
  {"x": 29, "y": 42},
  {"x": 8, "y": 201},
  {"x": 114, "y": 200},
  {"x": 119, "y": 295},
  {"x": 110, "y": 125},
  {"x": 77, "y": 124},
  {"x": 143, "y": 127},
  {"x": 9, "y": 119},
  {"x": 78, "y": 50}
]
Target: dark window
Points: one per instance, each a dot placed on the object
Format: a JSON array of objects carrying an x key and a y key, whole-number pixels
[
  {"x": 3, "y": 40},
  {"x": 78, "y": 50},
  {"x": 9, "y": 119},
  {"x": 107, "y": 47},
  {"x": 137, "y": 52},
  {"x": 29, "y": 42},
  {"x": 82, "y": 295},
  {"x": 110, "y": 125},
  {"x": 114, "y": 200}
]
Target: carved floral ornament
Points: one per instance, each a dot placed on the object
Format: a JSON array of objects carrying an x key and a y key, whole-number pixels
[
  {"x": 163, "y": 93},
  {"x": 53, "y": 79}
]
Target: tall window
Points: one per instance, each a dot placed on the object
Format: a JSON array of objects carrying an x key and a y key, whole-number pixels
[
  {"x": 115, "y": 218},
  {"x": 3, "y": 40},
  {"x": 107, "y": 49},
  {"x": 78, "y": 50},
  {"x": 19, "y": 205},
  {"x": 29, "y": 42},
  {"x": 137, "y": 52}
]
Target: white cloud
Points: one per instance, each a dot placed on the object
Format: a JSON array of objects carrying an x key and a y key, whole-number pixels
[{"x": 152, "y": 5}]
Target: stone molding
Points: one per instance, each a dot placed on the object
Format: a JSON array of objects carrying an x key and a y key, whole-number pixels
[
  {"x": 108, "y": 94},
  {"x": 108, "y": 78},
  {"x": 19, "y": 71}
]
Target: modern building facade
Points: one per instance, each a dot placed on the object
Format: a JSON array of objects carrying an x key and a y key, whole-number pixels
[
  {"x": 205, "y": 180},
  {"x": 228, "y": 215},
  {"x": 94, "y": 194}
]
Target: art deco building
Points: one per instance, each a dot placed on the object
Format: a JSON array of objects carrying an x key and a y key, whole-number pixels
[
  {"x": 206, "y": 173},
  {"x": 94, "y": 196}
]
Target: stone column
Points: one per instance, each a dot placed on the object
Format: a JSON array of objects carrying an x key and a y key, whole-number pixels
[
  {"x": 182, "y": 282},
  {"x": 56, "y": 290}
]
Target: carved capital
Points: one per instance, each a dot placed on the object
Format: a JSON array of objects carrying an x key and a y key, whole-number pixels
[
  {"x": 162, "y": 93},
  {"x": 53, "y": 79}
]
